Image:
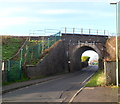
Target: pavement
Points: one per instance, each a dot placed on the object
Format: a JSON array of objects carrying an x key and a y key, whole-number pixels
[{"x": 99, "y": 94}]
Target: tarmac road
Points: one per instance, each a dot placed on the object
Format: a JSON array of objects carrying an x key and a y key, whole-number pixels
[{"x": 58, "y": 90}]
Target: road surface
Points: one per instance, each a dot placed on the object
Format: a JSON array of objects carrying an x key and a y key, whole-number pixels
[{"x": 57, "y": 90}]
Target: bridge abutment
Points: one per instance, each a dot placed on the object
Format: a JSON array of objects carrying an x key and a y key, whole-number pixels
[
  {"x": 100, "y": 64},
  {"x": 53, "y": 63},
  {"x": 110, "y": 68}
]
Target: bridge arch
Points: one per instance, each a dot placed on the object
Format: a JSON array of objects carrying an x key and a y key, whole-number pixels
[{"x": 76, "y": 54}]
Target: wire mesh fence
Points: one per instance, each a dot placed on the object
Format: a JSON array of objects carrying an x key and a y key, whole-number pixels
[
  {"x": 14, "y": 70},
  {"x": 29, "y": 54}
]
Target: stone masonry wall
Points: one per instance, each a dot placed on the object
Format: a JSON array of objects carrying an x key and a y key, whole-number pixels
[
  {"x": 110, "y": 68},
  {"x": 54, "y": 62}
]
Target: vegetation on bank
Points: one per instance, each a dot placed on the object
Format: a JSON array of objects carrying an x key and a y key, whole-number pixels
[
  {"x": 98, "y": 79},
  {"x": 85, "y": 58},
  {"x": 10, "y": 46}
]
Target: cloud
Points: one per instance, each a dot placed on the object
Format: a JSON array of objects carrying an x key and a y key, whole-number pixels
[
  {"x": 97, "y": 13},
  {"x": 56, "y": 0},
  {"x": 6, "y": 22},
  {"x": 4, "y": 12},
  {"x": 77, "y": 12},
  {"x": 56, "y": 11}
]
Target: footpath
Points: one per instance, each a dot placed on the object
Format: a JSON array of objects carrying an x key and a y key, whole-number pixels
[{"x": 104, "y": 95}]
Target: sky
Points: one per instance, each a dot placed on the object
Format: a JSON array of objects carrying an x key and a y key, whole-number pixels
[{"x": 20, "y": 17}]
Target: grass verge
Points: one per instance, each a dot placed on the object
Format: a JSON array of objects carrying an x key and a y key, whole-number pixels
[{"x": 98, "y": 79}]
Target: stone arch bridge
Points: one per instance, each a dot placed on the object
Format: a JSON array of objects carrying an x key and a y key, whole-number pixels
[
  {"x": 77, "y": 44},
  {"x": 69, "y": 49}
]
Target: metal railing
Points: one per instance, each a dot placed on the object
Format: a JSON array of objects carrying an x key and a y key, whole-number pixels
[
  {"x": 84, "y": 31},
  {"x": 48, "y": 32},
  {"x": 44, "y": 32}
]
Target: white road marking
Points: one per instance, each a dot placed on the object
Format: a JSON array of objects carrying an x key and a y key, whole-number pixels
[{"x": 71, "y": 100}]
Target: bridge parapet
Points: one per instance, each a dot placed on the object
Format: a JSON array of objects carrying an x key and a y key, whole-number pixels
[{"x": 83, "y": 38}]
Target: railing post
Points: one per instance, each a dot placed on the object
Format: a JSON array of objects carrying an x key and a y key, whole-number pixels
[
  {"x": 81, "y": 30},
  {"x": 60, "y": 35},
  {"x": 108, "y": 33},
  {"x": 65, "y": 29},
  {"x": 89, "y": 31},
  {"x": 97, "y": 32},
  {"x": 104, "y": 32},
  {"x": 73, "y": 30}
]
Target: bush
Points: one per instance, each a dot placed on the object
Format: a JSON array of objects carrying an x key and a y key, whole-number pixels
[{"x": 85, "y": 58}]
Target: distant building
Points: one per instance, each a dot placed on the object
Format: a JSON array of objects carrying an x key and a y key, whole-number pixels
[{"x": 93, "y": 62}]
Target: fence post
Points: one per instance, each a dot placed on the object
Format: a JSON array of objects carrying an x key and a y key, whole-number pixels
[
  {"x": 8, "y": 65},
  {"x": 105, "y": 72},
  {"x": 20, "y": 68},
  {"x": 38, "y": 50},
  {"x": 48, "y": 43},
  {"x": 8, "y": 69},
  {"x": 42, "y": 44},
  {"x": 21, "y": 54}
]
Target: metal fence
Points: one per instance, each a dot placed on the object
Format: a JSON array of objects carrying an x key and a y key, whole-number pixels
[{"x": 29, "y": 54}]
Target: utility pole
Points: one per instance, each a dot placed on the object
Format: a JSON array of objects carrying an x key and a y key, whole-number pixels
[{"x": 117, "y": 44}]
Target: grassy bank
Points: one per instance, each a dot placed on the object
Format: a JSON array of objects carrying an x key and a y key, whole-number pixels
[
  {"x": 98, "y": 79},
  {"x": 10, "y": 46}
]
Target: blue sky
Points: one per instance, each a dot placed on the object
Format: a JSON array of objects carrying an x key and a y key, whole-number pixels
[{"x": 21, "y": 16}]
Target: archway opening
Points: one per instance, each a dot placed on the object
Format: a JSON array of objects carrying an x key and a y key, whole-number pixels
[
  {"x": 79, "y": 51},
  {"x": 91, "y": 57}
]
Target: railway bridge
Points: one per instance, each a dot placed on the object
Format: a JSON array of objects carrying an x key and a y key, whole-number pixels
[
  {"x": 76, "y": 44},
  {"x": 66, "y": 55}
]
